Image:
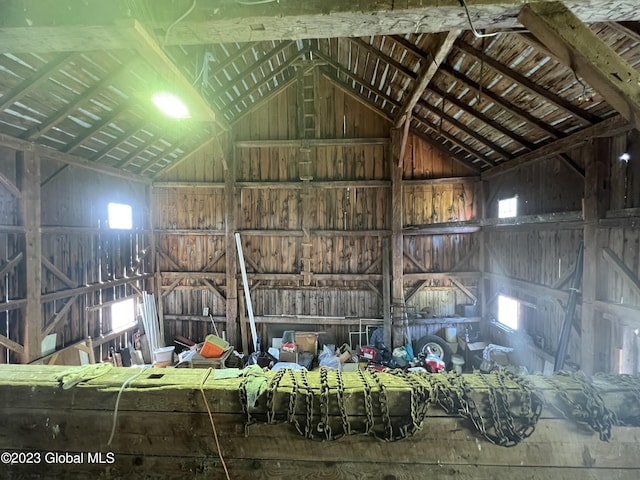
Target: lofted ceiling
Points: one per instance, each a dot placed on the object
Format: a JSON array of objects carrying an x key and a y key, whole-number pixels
[{"x": 76, "y": 75}]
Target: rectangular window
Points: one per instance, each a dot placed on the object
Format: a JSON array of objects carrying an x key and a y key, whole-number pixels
[
  {"x": 123, "y": 314},
  {"x": 508, "y": 312},
  {"x": 120, "y": 216},
  {"x": 508, "y": 207}
]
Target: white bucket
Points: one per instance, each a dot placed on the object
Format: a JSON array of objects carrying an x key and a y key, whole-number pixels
[
  {"x": 164, "y": 354},
  {"x": 458, "y": 362},
  {"x": 450, "y": 334}
]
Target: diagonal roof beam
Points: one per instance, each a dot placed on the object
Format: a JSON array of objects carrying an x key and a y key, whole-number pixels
[
  {"x": 528, "y": 84},
  {"x": 435, "y": 55},
  {"x": 145, "y": 44},
  {"x": 482, "y": 118},
  {"x": 213, "y": 137},
  {"x": 464, "y": 128},
  {"x": 406, "y": 71},
  {"x": 265, "y": 81},
  {"x": 581, "y": 50},
  {"x": 252, "y": 67},
  {"x": 70, "y": 107},
  {"x": 139, "y": 126},
  {"x": 178, "y": 144},
  {"x": 501, "y": 102},
  {"x": 367, "y": 101},
  {"x": 264, "y": 99},
  {"x": 347, "y": 88},
  {"x": 28, "y": 84},
  {"x": 611, "y": 126}
]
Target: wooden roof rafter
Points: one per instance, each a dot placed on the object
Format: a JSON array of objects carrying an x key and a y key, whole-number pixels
[
  {"x": 174, "y": 147},
  {"x": 59, "y": 116},
  {"x": 251, "y": 69},
  {"x": 367, "y": 102},
  {"x": 266, "y": 81},
  {"x": 560, "y": 102},
  {"x": 579, "y": 48},
  {"x": 118, "y": 141},
  {"x": 469, "y": 110},
  {"x": 501, "y": 102},
  {"x": 39, "y": 77},
  {"x": 467, "y": 130}
]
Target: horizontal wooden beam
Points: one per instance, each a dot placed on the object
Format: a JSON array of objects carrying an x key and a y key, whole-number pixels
[
  {"x": 51, "y": 154},
  {"x": 12, "y": 305},
  {"x": 312, "y": 142},
  {"x": 227, "y": 22},
  {"x": 193, "y": 275},
  {"x": 615, "y": 124},
  {"x": 525, "y": 285},
  {"x": 445, "y": 228},
  {"x": 419, "y": 182},
  {"x": 59, "y": 295},
  {"x": 412, "y": 277},
  {"x": 329, "y": 184},
  {"x": 628, "y": 313}
]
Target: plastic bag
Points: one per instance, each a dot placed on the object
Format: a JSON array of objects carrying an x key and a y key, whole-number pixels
[{"x": 329, "y": 359}]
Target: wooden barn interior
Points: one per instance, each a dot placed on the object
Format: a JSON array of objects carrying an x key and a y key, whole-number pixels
[{"x": 452, "y": 168}]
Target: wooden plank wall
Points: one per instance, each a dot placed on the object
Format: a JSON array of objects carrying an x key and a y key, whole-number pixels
[
  {"x": 521, "y": 259},
  {"x": 79, "y": 252},
  {"x": 272, "y": 219}
]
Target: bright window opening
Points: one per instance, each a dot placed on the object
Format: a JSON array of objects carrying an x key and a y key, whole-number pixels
[
  {"x": 120, "y": 216},
  {"x": 508, "y": 207},
  {"x": 508, "y": 312},
  {"x": 123, "y": 314}
]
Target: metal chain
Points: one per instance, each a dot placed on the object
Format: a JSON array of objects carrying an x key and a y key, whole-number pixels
[
  {"x": 270, "y": 394},
  {"x": 384, "y": 407},
  {"x": 323, "y": 425},
  {"x": 588, "y": 408},
  {"x": 346, "y": 426},
  {"x": 293, "y": 402},
  {"x": 308, "y": 399},
  {"x": 368, "y": 403},
  {"x": 242, "y": 392}
]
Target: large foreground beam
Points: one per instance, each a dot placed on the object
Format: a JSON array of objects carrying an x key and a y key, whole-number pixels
[
  {"x": 80, "y": 25},
  {"x": 578, "y": 47}
]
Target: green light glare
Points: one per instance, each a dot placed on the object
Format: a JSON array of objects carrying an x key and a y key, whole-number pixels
[{"x": 170, "y": 105}]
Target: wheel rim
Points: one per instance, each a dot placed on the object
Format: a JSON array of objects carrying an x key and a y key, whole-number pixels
[{"x": 433, "y": 348}]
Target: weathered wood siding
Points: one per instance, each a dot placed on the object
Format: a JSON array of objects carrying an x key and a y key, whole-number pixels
[{"x": 294, "y": 230}]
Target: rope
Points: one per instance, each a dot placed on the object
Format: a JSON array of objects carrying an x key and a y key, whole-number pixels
[
  {"x": 115, "y": 411},
  {"x": 213, "y": 425}
]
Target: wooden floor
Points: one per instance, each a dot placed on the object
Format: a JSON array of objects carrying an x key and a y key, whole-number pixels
[{"x": 163, "y": 431}]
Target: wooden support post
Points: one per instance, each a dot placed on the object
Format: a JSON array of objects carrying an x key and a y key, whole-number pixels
[
  {"x": 28, "y": 176},
  {"x": 482, "y": 265},
  {"x": 231, "y": 262},
  {"x": 395, "y": 164},
  {"x": 386, "y": 291},
  {"x": 595, "y": 195}
]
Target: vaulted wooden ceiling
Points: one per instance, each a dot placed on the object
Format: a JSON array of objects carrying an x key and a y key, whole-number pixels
[{"x": 76, "y": 75}]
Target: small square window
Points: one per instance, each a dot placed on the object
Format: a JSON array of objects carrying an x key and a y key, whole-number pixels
[
  {"x": 508, "y": 312},
  {"x": 120, "y": 216},
  {"x": 508, "y": 207},
  {"x": 123, "y": 314}
]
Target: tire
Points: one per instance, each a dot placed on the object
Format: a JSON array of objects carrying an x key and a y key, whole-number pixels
[{"x": 436, "y": 345}]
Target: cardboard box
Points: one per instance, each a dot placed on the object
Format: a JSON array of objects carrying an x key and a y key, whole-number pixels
[
  {"x": 288, "y": 356},
  {"x": 307, "y": 342}
]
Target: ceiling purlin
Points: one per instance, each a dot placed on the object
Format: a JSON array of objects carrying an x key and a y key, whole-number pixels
[
  {"x": 367, "y": 101},
  {"x": 39, "y": 77},
  {"x": 251, "y": 68},
  {"x": 138, "y": 127},
  {"x": 468, "y": 130},
  {"x": 468, "y": 110},
  {"x": 452, "y": 139},
  {"x": 126, "y": 161},
  {"x": 265, "y": 82},
  {"x": 560, "y": 102},
  {"x": 96, "y": 127},
  {"x": 390, "y": 60},
  {"x": 177, "y": 145},
  {"x": 38, "y": 130},
  {"x": 501, "y": 102}
]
